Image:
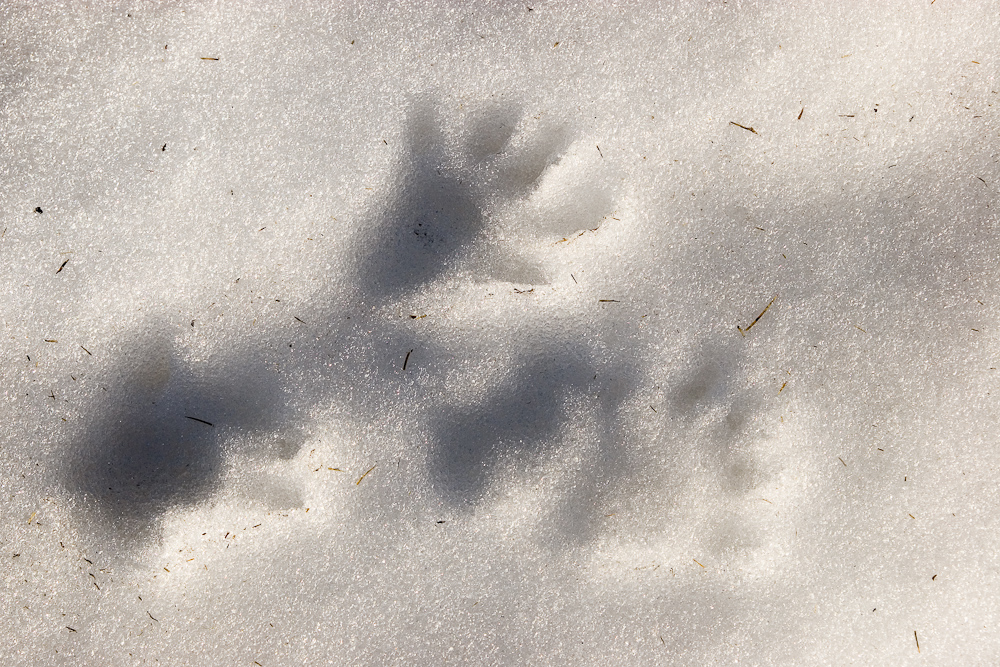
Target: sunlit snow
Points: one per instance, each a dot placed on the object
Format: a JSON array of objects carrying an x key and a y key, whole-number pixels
[{"x": 499, "y": 333}]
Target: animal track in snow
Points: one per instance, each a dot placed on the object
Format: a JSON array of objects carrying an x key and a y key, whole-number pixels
[
  {"x": 458, "y": 205},
  {"x": 505, "y": 389},
  {"x": 166, "y": 434}
]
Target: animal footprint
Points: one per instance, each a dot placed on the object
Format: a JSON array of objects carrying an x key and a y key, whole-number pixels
[
  {"x": 467, "y": 204},
  {"x": 160, "y": 437}
]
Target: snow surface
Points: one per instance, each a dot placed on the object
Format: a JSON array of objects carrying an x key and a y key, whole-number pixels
[{"x": 421, "y": 333}]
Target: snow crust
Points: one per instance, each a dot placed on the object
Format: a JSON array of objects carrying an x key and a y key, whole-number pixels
[{"x": 494, "y": 333}]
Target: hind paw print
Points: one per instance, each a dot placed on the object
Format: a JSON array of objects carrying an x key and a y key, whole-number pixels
[{"x": 471, "y": 200}]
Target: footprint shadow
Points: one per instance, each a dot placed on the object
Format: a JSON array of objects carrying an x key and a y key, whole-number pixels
[
  {"x": 517, "y": 420},
  {"x": 438, "y": 222},
  {"x": 161, "y": 443},
  {"x": 518, "y": 424},
  {"x": 428, "y": 223}
]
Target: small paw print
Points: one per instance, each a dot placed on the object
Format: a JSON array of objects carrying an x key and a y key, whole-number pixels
[{"x": 468, "y": 202}]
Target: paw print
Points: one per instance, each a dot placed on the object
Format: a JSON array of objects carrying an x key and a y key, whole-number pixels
[
  {"x": 461, "y": 199},
  {"x": 160, "y": 435}
]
